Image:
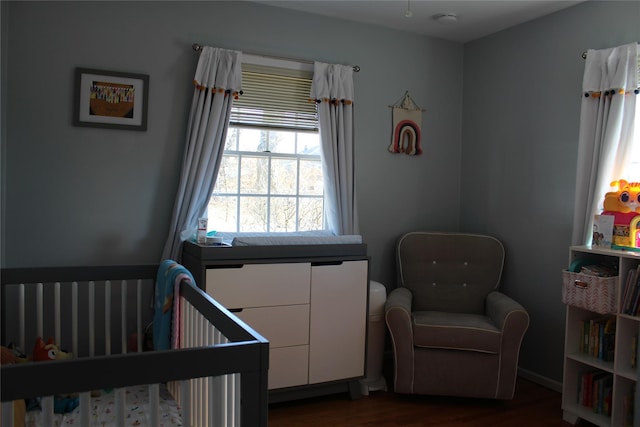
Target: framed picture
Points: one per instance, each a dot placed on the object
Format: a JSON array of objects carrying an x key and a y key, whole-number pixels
[{"x": 110, "y": 99}]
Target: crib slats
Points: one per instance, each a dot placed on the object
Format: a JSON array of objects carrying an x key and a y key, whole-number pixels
[
  {"x": 7, "y": 413},
  {"x": 46, "y": 403},
  {"x": 120, "y": 399},
  {"x": 91, "y": 319},
  {"x": 85, "y": 408},
  {"x": 74, "y": 317},
  {"x": 139, "y": 331},
  {"x": 69, "y": 311},
  {"x": 57, "y": 312},
  {"x": 154, "y": 404},
  {"x": 123, "y": 317},
  {"x": 107, "y": 317},
  {"x": 22, "y": 319},
  {"x": 39, "y": 310}
]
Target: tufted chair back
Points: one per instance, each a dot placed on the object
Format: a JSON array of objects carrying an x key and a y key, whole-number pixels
[{"x": 449, "y": 272}]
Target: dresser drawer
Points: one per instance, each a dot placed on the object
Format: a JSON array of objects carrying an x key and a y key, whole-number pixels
[
  {"x": 288, "y": 366},
  {"x": 283, "y": 326},
  {"x": 260, "y": 285}
]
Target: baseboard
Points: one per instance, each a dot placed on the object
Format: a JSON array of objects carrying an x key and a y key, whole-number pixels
[{"x": 541, "y": 380}]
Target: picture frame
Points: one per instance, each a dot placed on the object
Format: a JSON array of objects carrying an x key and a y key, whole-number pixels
[{"x": 110, "y": 99}]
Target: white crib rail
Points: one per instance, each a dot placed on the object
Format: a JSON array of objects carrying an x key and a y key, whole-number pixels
[
  {"x": 93, "y": 318},
  {"x": 210, "y": 401}
]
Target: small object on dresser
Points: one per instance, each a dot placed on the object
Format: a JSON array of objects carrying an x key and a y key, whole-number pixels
[
  {"x": 213, "y": 240},
  {"x": 201, "y": 236}
]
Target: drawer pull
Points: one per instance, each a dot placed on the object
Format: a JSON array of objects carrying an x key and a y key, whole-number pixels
[
  {"x": 236, "y": 310},
  {"x": 580, "y": 284}
]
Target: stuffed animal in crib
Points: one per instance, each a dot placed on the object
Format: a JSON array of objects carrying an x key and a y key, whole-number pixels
[
  {"x": 48, "y": 351},
  {"x": 624, "y": 205},
  {"x": 43, "y": 352}
]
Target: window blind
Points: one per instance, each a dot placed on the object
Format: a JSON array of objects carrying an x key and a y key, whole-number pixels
[{"x": 275, "y": 98}]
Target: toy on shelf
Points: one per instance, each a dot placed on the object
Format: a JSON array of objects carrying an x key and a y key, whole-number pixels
[{"x": 624, "y": 205}]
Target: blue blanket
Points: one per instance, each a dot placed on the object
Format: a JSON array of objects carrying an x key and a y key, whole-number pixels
[{"x": 166, "y": 304}]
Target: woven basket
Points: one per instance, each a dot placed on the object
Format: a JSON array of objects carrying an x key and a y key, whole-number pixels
[{"x": 590, "y": 292}]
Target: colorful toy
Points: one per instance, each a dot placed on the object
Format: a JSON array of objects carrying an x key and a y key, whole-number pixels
[
  {"x": 49, "y": 351},
  {"x": 624, "y": 205}
]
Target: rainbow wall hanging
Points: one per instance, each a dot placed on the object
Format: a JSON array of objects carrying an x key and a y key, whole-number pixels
[{"x": 407, "y": 123}]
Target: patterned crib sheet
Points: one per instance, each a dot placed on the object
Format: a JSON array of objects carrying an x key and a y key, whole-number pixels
[{"x": 103, "y": 411}]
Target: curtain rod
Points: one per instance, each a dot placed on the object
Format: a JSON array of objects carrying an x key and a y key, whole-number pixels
[{"x": 198, "y": 48}]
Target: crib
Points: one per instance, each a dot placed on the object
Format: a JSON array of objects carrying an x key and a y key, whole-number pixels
[{"x": 216, "y": 377}]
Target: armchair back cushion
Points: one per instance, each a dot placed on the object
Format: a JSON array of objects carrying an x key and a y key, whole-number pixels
[{"x": 461, "y": 270}]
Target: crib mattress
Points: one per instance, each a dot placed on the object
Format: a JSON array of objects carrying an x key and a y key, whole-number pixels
[{"x": 103, "y": 411}]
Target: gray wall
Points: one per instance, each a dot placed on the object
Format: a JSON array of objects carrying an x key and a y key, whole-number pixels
[
  {"x": 83, "y": 196},
  {"x": 522, "y": 95},
  {"x": 92, "y": 196}
]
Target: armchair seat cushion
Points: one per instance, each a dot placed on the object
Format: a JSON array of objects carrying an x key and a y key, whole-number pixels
[{"x": 456, "y": 331}]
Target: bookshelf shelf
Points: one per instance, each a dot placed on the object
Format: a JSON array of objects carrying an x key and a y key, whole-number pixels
[{"x": 610, "y": 384}]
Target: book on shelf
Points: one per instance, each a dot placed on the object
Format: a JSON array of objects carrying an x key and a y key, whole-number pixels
[
  {"x": 627, "y": 292},
  {"x": 597, "y": 337},
  {"x": 594, "y": 391},
  {"x": 634, "y": 298}
]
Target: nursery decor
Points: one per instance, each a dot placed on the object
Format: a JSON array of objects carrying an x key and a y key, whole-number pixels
[
  {"x": 407, "y": 121},
  {"x": 111, "y": 99}
]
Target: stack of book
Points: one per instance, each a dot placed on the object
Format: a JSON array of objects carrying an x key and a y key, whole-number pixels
[
  {"x": 595, "y": 391},
  {"x": 631, "y": 294},
  {"x": 597, "y": 337}
]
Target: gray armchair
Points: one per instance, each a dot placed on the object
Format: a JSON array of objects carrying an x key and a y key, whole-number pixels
[{"x": 453, "y": 332}]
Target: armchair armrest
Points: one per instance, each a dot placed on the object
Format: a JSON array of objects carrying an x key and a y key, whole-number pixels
[
  {"x": 399, "y": 321},
  {"x": 505, "y": 312},
  {"x": 513, "y": 320}
]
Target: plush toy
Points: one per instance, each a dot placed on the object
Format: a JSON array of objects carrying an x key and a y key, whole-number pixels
[
  {"x": 43, "y": 352},
  {"x": 48, "y": 351},
  {"x": 624, "y": 205}
]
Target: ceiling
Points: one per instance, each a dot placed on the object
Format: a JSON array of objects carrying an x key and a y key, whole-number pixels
[{"x": 475, "y": 18}]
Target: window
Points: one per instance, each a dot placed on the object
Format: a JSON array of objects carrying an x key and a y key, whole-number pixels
[{"x": 270, "y": 179}]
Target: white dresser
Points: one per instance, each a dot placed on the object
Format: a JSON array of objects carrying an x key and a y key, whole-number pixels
[{"x": 309, "y": 302}]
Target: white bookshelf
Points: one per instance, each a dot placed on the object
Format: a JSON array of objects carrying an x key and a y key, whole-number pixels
[{"x": 576, "y": 362}]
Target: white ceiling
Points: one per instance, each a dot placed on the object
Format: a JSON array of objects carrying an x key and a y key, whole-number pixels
[{"x": 476, "y": 18}]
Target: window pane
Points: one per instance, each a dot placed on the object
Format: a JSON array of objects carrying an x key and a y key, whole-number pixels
[
  {"x": 283, "y": 214},
  {"x": 309, "y": 143},
  {"x": 311, "y": 178},
  {"x": 223, "y": 213},
  {"x": 282, "y": 142},
  {"x": 232, "y": 139},
  {"x": 253, "y": 214},
  {"x": 252, "y": 140},
  {"x": 254, "y": 175},
  {"x": 227, "y": 181},
  {"x": 283, "y": 176},
  {"x": 310, "y": 214}
]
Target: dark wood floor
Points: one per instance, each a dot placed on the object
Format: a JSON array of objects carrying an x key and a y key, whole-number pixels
[{"x": 533, "y": 405}]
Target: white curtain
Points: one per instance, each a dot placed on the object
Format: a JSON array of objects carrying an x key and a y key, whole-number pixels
[
  {"x": 332, "y": 89},
  {"x": 610, "y": 86},
  {"x": 217, "y": 81}
]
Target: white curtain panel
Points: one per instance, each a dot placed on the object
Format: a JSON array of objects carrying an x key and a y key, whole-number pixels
[
  {"x": 606, "y": 129},
  {"x": 332, "y": 88},
  {"x": 217, "y": 80}
]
